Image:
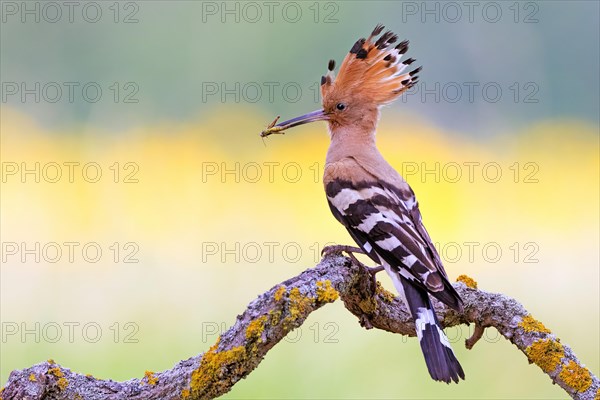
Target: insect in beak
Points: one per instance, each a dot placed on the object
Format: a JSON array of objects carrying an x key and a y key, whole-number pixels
[{"x": 274, "y": 128}]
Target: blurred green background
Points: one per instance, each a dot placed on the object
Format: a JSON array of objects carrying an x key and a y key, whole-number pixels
[{"x": 194, "y": 215}]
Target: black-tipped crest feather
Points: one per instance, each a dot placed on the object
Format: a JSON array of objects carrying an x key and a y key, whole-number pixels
[{"x": 373, "y": 69}]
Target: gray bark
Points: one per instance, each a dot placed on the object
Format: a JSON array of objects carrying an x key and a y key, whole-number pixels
[{"x": 273, "y": 314}]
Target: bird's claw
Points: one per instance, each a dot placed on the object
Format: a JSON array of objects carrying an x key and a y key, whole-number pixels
[
  {"x": 350, "y": 250},
  {"x": 339, "y": 249}
]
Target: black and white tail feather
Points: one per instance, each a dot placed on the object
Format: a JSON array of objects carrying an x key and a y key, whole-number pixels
[
  {"x": 439, "y": 357},
  {"x": 385, "y": 222}
]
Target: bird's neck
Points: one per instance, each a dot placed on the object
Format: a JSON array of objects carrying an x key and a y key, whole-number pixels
[
  {"x": 350, "y": 142},
  {"x": 361, "y": 148}
]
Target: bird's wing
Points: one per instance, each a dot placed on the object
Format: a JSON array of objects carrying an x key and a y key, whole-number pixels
[
  {"x": 385, "y": 221},
  {"x": 415, "y": 215}
]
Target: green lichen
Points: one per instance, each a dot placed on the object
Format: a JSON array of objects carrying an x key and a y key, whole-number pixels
[
  {"x": 325, "y": 292},
  {"x": 470, "y": 282},
  {"x": 545, "y": 353},
  {"x": 530, "y": 324},
  {"x": 576, "y": 376}
]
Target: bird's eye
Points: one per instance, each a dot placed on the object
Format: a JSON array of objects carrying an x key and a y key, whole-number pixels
[{"x": 340, "y": 106}]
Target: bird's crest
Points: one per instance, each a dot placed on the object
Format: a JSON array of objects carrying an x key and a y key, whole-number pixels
[{"x": 372, "y": 70}]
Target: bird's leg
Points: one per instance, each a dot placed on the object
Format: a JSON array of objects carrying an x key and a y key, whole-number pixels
[{"x": 373, "y": 271}]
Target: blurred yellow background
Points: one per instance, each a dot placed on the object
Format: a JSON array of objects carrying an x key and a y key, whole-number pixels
[{"x": 132, "y": 234}]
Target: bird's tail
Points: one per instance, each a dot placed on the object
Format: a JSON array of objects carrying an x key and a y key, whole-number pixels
[{"x": 441, "y": 362}]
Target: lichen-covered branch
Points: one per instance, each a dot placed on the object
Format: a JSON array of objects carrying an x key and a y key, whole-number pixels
[{"x": 270, "y": 317}]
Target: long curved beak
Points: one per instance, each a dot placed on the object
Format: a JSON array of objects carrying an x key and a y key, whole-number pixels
[{"x": 318, "y": 115}]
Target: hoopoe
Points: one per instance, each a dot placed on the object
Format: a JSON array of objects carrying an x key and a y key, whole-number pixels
[{"x": 373, "y": 202}]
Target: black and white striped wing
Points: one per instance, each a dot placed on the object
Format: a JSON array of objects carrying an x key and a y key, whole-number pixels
[{"x": 386, "y": 223}]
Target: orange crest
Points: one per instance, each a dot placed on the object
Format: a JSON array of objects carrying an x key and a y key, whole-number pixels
[{"x": 371, "y": 72}]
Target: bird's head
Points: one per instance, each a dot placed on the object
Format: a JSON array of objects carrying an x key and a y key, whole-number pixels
[{"x": 371, "y": 75}]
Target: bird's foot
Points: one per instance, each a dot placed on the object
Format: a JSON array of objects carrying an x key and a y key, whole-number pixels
[
  {"x": 350, "y": 250},
  {"x": 477, "y": 334},
  {"x": 340, "y": 248}
]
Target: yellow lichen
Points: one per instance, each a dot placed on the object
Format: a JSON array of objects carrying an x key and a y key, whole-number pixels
[
  {"x": 596, "y": 397},
  {"x": 275, "y": 316},
  {"x": 546, "y": 353},
  {"x": 299, "y": 305},
  {"x": 206, "y": 379},
  {"x": 576, "y": 376},
  {"x": 51, "y": 361},
  {"x": 325, "y": 292},
  {"x": 279, "y": 293},
  {"x": 256, "y": 328},
  {"x": 470, "y": 282},
  {"x": 62, "y": 383},
  {"x": 185, "y": 394},
  {"x": 151, "y": 378},
  {"x": 89, "y": 375},
  {"x": 368, "y": 306},
  {"x": 530, "y": 324},
  {"x": 32, "y": 377},
  {"x": 387, "y": 296},
  {"x": 56, "y": 372}
]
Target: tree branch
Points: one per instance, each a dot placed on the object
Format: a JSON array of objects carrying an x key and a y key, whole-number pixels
[{"x": 270, "y": 317}]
